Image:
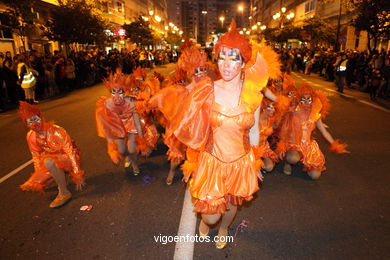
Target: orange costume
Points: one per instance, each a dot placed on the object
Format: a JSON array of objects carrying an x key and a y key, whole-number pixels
[
  {"x": 114, "y": 119},
  {"x": 54, "y": 143},
  {"x": 297, "y": 127},
  {"x": 227, "y": 165},
  {"x": 168, "y": 100}
]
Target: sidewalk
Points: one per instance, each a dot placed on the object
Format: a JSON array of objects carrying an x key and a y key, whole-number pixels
[{"x": 355, "y": 92}]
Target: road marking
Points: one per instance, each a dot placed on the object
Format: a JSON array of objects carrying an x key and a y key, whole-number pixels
[
  {"x": 21, "y": 167},
  {"x": 185, "y": 250},
  {"x": 346, "y": 95}
]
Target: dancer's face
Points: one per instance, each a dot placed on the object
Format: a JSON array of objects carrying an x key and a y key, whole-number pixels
[
  {"x": 118, "y": 96},
  {"x": 306, "y": 100},
  {"x": 230, "y": 63},
  {"x": 270, "y": 109},
  {"x": 34, "y": 123}
]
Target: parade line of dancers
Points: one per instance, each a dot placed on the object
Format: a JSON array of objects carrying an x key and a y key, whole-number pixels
[{"x": 224, "y": 124}]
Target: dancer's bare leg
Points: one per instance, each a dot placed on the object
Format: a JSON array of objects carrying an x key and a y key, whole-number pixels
[
  {"x": 171, "y": 174},
  {"x": 227, "y": 219},
  {"x": 132, "y": 155},
  {"x": 314, "y": 174},
  {"x": 268, "y": 164},
  {"x": 58, "y": 175},
  {"x": 292, "y": 157}
]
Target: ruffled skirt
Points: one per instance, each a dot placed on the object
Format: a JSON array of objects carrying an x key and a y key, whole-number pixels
[{"x": 216, "y": 183}]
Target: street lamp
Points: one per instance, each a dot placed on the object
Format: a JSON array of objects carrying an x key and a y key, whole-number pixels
[
  {"x": 222, "y": 19},
  {"x": 151, "y": 12},
  {"x": 240, "y": 8}
]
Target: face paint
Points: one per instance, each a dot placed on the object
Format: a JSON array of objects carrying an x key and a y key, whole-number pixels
[
  {"x": 34, "y": 123},
  {"x": 200, "y": 72},
  {"x": 118, "y": 96},
  {"x": 291, "y": 94},
  {"x": 306, "y": 99},
  {"x": 229, "y": 63}
]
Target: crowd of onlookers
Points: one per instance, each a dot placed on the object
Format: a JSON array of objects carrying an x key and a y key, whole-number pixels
[
  {"x": 57, "y": 74},
  {"x": 362, "y": 70}
]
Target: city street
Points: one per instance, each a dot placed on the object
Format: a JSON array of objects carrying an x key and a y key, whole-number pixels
[{"x": 343, "y": 215}]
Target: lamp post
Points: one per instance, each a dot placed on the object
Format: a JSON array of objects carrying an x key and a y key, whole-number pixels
[
  {"x": 222, "y": 19},
  {"x": 240, "y": 8},
  {"x": 282, "y": 15}
]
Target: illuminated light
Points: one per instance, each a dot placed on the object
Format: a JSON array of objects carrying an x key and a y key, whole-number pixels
[
  {"x": 170, "y": 24},
  {"x": 204, "y": 12},
  {"x": 254, "y": 8},
  {"x": 250, "y": 17},
  {"x": 181, "y": 32},
  {"x": 151, "y": 12},
  {"x": 283, "y": 9},
  {"x": 174, "y": 32},
  {"x": 145, "y": 18},
  {"x": 258, "y": 23},
  {"x": 157, "y": 18},
  {"x": 248, "y": 32},
  {"x": 241, "y": 32},
  {"x": 263, "y": 27},
  {"x": 240, "y": 8},
  {"x": 166, "y": 27},
  {"x": 292, "y": 15},
  {"x": 244, "y": 29},
  {"x": 288, "y": 16},
  {"x": 121, "y": 32},
  {"x": 175, "y": 28},
  {"x": 182, "y": 40},
  {"x": 254, "y": 27}
]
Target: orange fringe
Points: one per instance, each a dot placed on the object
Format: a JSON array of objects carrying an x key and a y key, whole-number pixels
[
  {"x": 258, "y": 152},
  {"x": 174, "y": 156},
  {"x": 281, "y": 106},
  {"x": 141, "y": 144},
  {"x": 271, "y": 58},
  {"x": 337, "y": 147},
  {"x": 325, "y": 103},
  {"x": 33, "y": 186},
  {"x": 190, "y": 166},
  {"x": 78, "y": 178},
  {"x": 115, "y": 156}
]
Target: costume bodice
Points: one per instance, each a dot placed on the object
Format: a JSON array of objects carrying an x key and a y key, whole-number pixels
[{"x": 229, "y": 135}]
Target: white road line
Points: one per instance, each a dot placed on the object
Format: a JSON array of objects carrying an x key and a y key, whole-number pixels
[
  {"x": 21, "y": 167},
  {"x": 373, "y": 105},
  {"x": 185, "y": 250}
]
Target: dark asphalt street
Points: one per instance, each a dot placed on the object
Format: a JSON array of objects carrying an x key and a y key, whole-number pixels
[{"x": 343, "y": 215}]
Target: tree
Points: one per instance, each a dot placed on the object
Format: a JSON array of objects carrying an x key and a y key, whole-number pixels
[
  {"x": 76, "y": 21},
  {"x": 372, "y": 16},
  {"x": 173, "y": 39},
  {"x": 20, "y": 17},
  {"x": 317, "y": 30},
  {"x": 139, "y": 32}
]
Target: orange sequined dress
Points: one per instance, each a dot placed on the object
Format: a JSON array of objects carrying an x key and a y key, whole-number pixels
[
  {"x": 299, "y": 125},
  {"x": 226, "y": 167},
  {"x": 54, "y": 144}
]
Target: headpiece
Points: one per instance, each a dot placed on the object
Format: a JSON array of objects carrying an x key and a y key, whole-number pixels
[
  {"x": 233, "y": 39},
  {"x": 320, "y": 101},
  {"x": 118, "y": 80},
  {"x": 186, "y": 44},
  {"x": 139, "y": 72},
  {"x": 27, "y": 110},
  {"x": 190, "y": 59}
]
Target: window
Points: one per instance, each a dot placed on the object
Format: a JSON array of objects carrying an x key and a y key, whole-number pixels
[
  {"x": 310, "y": 6},
  {"x": 5, "y": 33},
  {"x": 119, "y": 6}
]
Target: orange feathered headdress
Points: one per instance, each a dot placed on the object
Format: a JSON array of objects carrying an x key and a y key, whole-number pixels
[
  {"x": 233, "y": 39},
  {"x": 27, "y": 110},
  {"x": 118, "y": 80},
  {"x": 320, "y": 101},
  {"x": 179, "y": 77},
  {"x": 139, "y": 72},
  {"x": 270, "y": 57},
  {"x": 191, "y": 59}
]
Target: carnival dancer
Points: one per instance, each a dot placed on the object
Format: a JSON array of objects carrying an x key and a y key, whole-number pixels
[
  {"x": 296, "y": 141},
  {"x": 220, "y": 119},
  {"x": 53, "y": 154},
  {"x": 191, "y": 68},
  {"x": 118, "y": 121}
]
